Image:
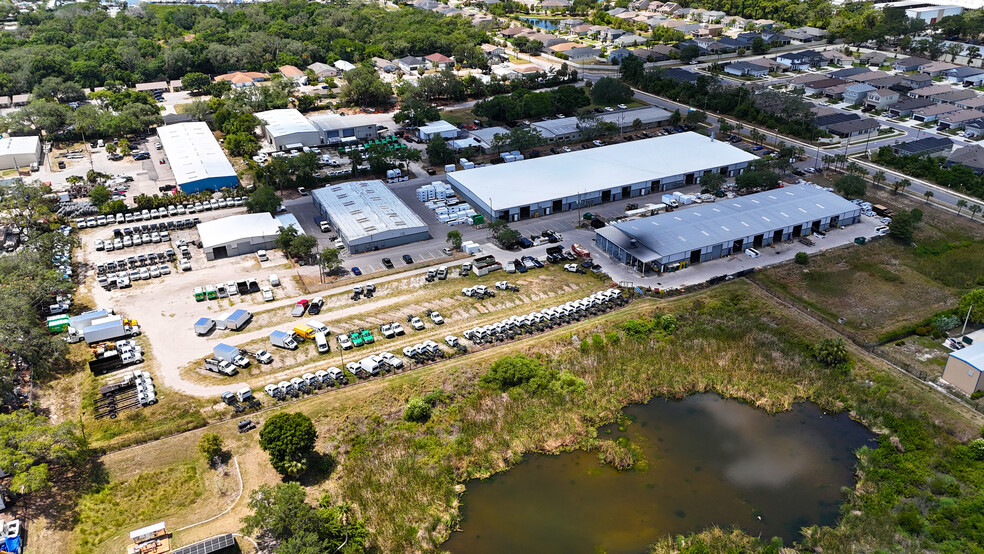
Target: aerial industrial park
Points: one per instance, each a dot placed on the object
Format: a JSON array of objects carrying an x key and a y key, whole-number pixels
[{"x": 487, "y": 277}]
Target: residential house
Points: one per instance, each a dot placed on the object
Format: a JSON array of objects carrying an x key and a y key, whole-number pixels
[
  {"x": 775, "y": 39},
  {"x": 649, "y": 54},
  {"x": 800, "y": 81},
  {"x": 909, "y": 64},
  {"x": 803, "y": 60},
  {"x": 934, "y": 112},
  {"x": 849, "y": 72},
  {"x": 856, "y": 93},
  {"x": 493, "y": 51},
  {"x": 511, "y": 32},
  {"x": 550, "y": 5},
  {"x": 505, "y": 73},
  {"x": 343, "y": 66},
  {"x": 771, "y": 65},
  {"x": 176, "y": 86},
  {"x": 547, "y": 39},
  {"x": 439, "y": 61},
  {"x": 818, "y": 33},
  {"x": 854, "y": 128},
  {"x": 873, "y": 58},
  {"x": 970, "y": 156},
  {"x": 734, "y": 22},
  {"x": 974, "y": 80},
  {"x": 323, "y": 70},
  {"x": 954, "y": 96},
  {"x": 680, "y": 74},
  {"x": 799, "y": 35},
  {"x": 837, "y": 91},
  {"x": 607, "y": 34},
  {"x": 956, "y": 120},
  {"x": 926, "y": 92},
  {"x": 746, "y": 69},
  {"x": 881, "y": 99},
  {"x": 629, "y": 39},
  {"x": 669, "y": 8},
  {"x": 156, "y": 86},
  {"x": 934, "y": 69},
  {"x": 975, "y": 102},
  {"x": 411, "y": 63},
  {"x": 239, "y": 79},
  {"x": 893, "y": 82},
  {"x": 616, "y": 56},
  {"x": 291, "y": 72},
  {"x": 905, "y": 106},
  {"x": 867, "y": 76},
  {"x": 710, "y": 31},
  {"x": 833, "y": 118},
  {"x": 583, "y": 53},
  {"x": 917, "y": 80},
  {"x": 562, "y": 47},
  {"x": 4, "y": 101},
  {"x": 974, "y": 128},
  {"x": 385, "y": 65},
  {"x": 927, "y": 146},
  {"x": 837, "y": 57},
  {"x": 960, "y": 74},
  {"x": 580, "y": 30},
  {"x": 569, "y": 23},
  {"x": 615, "y": 12},
  {"x": 764, "y": 24},
  {"x": 818, "y": 87}
]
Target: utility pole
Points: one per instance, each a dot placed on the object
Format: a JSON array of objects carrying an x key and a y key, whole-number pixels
[{"x": 966, "y": 319}]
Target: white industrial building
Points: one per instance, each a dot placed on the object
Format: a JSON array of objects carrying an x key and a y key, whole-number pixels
[
  {"x": 368, "y": 216},
  {"x": 196, "y": 158},
  {"x": 19, "y": 152},
  {"x": 288, "y": 128},
  {"x": 238, "y": 234},
  {"x": 437, "y": 128},
  {"x": 676, "y": 240},
  {"x": 542, "y": 186},
  {"x": 344, "y": 129},
  {"x": 567, "y": 129}
]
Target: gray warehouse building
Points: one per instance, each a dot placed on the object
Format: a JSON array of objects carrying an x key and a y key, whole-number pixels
[
  {"x": 368, "y": 216},
  {"x": 542, "y": 186},
  {"x": 236, "y": 235},
  {"x": 672, "y": 241}
]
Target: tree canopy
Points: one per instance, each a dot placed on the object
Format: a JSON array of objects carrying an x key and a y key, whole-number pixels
[{"x": 288, "y": 437}]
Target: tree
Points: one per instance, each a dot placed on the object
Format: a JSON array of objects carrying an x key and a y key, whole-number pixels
[
  {"x": 285, "y": 237},
  {"x": 973, "y": 301},
  {"x": 901, "y": 185},
  {"x": 725, "y": 126},
  {"x": 928, "y": 194},
  {"x": 974, "y": 210},
  {"x": 329, "y": 259},
  {"x": 973, "y": 53},
  {"x": 712, "y": 182},
  {"x": 438, "y": 151},
  {"x": 903, "y": 225},
  {"x": 878, "y": 177},
  {"x": 759, "y": 46},
  {"x": 363, "y": 87},
  {"x": 417, "y": 410},
  {"x": 757, "y": 180},
  {"x": 281, "y": 517},
  {"x": 210, "y": 445},
  {"x": 242, "y": 144},
  {"x": 123, "y": 145},
  {"x": 301, "y": 246},
  {"x": 503, "y": 234},
  {"x": 675, "y": 118},
  {"x": 831, "y": 352},
  {"x": 757, "y": 136},
  {"x": 689, "y": 53},
  {"x": 851, "y": 186},
  {"x": 802, "y": 258},
  {"x": 961, "y": 204},
  {"x": 196, "y": 82},
  {"x": 414, "y": 113},
  {"x": 99, "y": 195},
  {"x": 287, "y": 437},
  {"x": 30, "y": 445},
  {"x": 609, "y": 90},
  {"x": 111, "y": 147},
  {"x": 511, "y": 371},
  {"x": 694, "y": 117},
  {"x": 953, "y": 49},
  {"x": 263, "y": 199},
  {"x": 454, "y": 239}
]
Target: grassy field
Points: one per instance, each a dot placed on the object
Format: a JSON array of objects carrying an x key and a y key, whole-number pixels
[
  {"x": 405, "y": 479},
  {"x": 886, "y": 285}
]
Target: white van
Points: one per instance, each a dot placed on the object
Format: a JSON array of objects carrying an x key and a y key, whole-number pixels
[
  {"x": 321, "y": 341},
  {"x": 752, "y": 253}
]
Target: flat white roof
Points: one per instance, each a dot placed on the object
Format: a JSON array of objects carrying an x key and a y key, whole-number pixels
[
  {"x": 567, "y": 175},
  {"x": 19, "y": 146},
  {"x": 438, "y": 126},
  {"x": 148, "y": 530},
  {"x": 286, "y": 122},
  {"x": 364, "y": 209},
  {"x": 238, "y": 228},
  {"x": 332, "y": 122},
  {"x": 973, "y": 355},
  {"x": 193, "y": 152}
]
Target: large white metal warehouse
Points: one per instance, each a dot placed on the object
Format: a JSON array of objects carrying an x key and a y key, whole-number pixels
[
  {"x": 238, "y": 234},
  {"x": 288, "y": 128},
  {"x": 19, "y": 152},
  {"x": 562, "y": 182},
  {"x": 197, "y": 160},
  {"x": 368, "y": 216},
  {"x": 675, "y": 240}
]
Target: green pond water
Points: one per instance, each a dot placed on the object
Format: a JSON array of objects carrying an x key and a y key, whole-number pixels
[{"x": 711, "y": 461}]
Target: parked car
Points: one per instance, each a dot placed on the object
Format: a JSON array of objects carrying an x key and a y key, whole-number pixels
[
  {"x": 387, "y": 263},
  {"x": 267, "y": 293},
  {"x": 407, "y": 259}
]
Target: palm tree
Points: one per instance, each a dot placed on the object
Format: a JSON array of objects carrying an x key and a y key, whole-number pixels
[
  {"x": 974, "y": 210},
  {"x": 295, "y": 467},
  {"x": 878, "y": 178},
  {"x": 827, "y": 160},
  {"x": 961, "y": 204},
  {"x": 928, "y": 194},
  {"x": 855, "y": 168},
  {"x": 840, "y": 158},
  {"x": 900, "y": 185}
]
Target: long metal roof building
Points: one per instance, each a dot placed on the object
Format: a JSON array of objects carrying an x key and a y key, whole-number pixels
[
  {"x": 288, "y": 128},
  {"x": 196, "y": 158},
  {"x": 367, "y": 215},
  {"x": 550, "y": 184},
  {"x": 687, "y": 236}
]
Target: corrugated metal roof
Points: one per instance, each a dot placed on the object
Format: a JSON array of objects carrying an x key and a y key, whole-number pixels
[
  {"x": 193, "y": 152},
  {"x": 728, "y": 220},
  {"x": 364, "y": 209},
  {"x": 973, "y": 355},
  {"x": 237, "y": 228}
]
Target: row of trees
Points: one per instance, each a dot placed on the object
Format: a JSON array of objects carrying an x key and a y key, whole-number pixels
[
  {"x": 525, "y": 104},
  {"x": 957, "y": 177}
]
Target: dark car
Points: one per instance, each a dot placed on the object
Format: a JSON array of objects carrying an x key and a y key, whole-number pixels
[
  {"x": 387, "y": 263},
  {"x": 407, "y": 259},
  {"x": 356, "y": 271},
  {"x": 525, "y": 242},
  {"x": 141, "y": 155},
  {"x": 61, "y": 165}
]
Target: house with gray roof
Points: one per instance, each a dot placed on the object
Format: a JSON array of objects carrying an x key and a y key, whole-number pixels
[
  {"x": 855, "y": 94},
  {"x": 926, "y": 146},
  {"x": 970, "y": 156}
]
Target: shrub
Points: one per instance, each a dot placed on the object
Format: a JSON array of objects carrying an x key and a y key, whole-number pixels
[
  {"x": 900, "y": 343},
  {"x": 924, "y": 330},
  {"x": 831, "y": 352},
  {"x": 288, "y": 438},
  {"x": 802, "y": 258},
  {"x": 976, "y": 395},
  {"x": 417, "y": 410},
  {"x": 910, "y": 520},
  {"x": 511, "y": 371}
]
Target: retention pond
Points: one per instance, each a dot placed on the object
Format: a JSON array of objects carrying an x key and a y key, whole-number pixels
[{"x": 705, "y": 461}]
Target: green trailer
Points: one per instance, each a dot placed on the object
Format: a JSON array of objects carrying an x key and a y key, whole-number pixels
[
  {"x": 57, "y": 323},
  {"x": 478, "y": 219}
]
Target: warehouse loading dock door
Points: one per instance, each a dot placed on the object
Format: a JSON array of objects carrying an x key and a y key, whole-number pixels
[
  {"x": 694, "y": 257},
  {"x": 815, "y": 227},
  {"x": 689, "y": 179},
  {"x": 606, "y": 196},
  {"x": 797, "y": 231},
  {"x": 757, "y": 241},
  {"x": 524, "y": 212},
  {"x": 220, "y": 252},
  {"x": 737, "y": 246},
  {"x": 777, "y": 236},
  {"x": 558, "y": 205}
]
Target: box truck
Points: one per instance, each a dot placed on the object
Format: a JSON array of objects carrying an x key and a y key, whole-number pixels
[
  {"x": 238, "y": 319},
  {"x": 283, "y": 339},
  {"x": 204, "y": 325},
  {"x": 230, "y": 354}
]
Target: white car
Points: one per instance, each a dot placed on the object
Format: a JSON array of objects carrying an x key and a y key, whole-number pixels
[
  {"x": 267, "y": 293},
  {"x": 344, "y": 341},
  {"x": 155, "y": 271},
  {"x": 752, "y": 253},
  {"x": 263, "y": 357},
  {"x": 397, "y": 328},
  {"x": 261, "y": 255},
  {"x": 185, "y": 265},
  {"x": 274, "y": 280},
  {"x": 436, "y": 318},
  {"x": 325, "y": 228},
  {"x": 417, "y": 324},
  {"x": 165, "y": 270},
  {"x": 144, "y": 274},
  {"x": 99, "y": 244},
  {"x": 881, "y": 231},
  {"x": 391, "y": 360}
]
